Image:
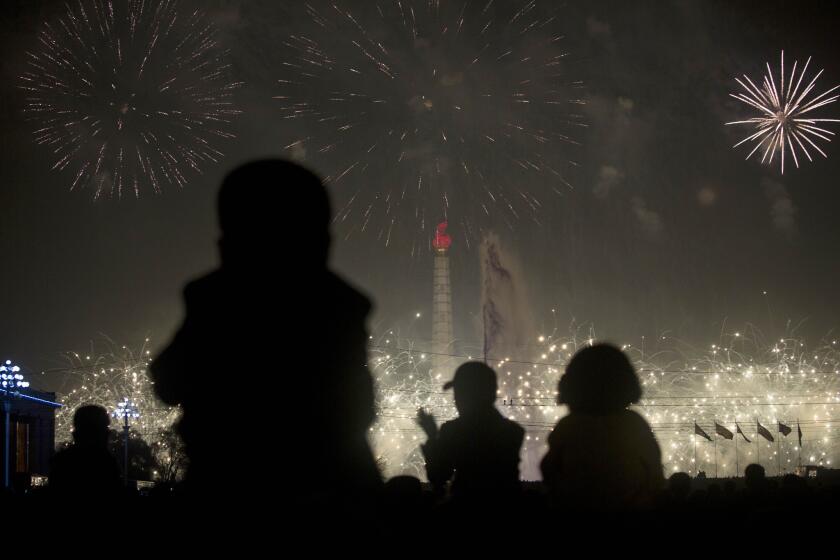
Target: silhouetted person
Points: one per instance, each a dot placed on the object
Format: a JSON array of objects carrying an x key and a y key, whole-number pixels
[
  {"x": 601, "y": 455},
  {"x": 269, "y": 365},
  {"x": 679, "y": 487},
  {"x": 86, "y": 469},
  {"x": 479, "y": 450},
  {"x": 756, "y": 487},
  {"x": 754, "y": 478}
]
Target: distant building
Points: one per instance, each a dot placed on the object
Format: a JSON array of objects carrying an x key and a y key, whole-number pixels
[
  {"x": 822, "y": 473},
  {"x": 32, "y": 436}
]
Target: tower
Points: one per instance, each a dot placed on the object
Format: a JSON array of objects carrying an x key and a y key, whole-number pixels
[{"x": 441, "y": 303}]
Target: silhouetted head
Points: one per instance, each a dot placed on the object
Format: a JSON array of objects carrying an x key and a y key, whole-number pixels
[
  {"x": 403, "y": 496},
  {"x": 271, "y": 209},
  {"x": 90, "y": 426},
  {"x": 679, "y": 485},
  {"x": 599, "y": 380},
  {"x": 754, "y": 478},
  {"x": 404, "y": 485},
  {"x": 754, "y": 472},
  {"x": 475, "y": 388}
]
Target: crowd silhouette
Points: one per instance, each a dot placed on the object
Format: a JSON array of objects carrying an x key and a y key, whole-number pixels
[{"x": 274, "y": 290}]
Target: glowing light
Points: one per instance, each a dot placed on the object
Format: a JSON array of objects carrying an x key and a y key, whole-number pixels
[
  {"x": 421, "y": 111},
  {"x": 11, "y": 378},
  {"x": 129, "y": 94},
  {"x": 112, "y": 374},
  {"x": 785, "y": 122},
  {"x": 739, "y": 380},
  {"x": 126, "y": 409}
]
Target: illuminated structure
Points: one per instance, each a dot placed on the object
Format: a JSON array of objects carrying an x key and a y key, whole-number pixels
[
  {"x": 125, "y": 410},
  {"x": 441, "y": 303},
  {"x": 28, "y": 429}
]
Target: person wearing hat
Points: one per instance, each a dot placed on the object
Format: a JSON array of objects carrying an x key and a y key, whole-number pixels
[
  {"x": 602, "y": 456},
  {"x": 479, "y": 450}
]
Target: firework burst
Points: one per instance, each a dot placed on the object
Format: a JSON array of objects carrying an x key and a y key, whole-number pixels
[
  {"x": 424, "y": 111},
  {"x": 106, "y": 375},
  {"x": 127, "y": 94},
  {"x": 740, "y": 379},
  {"x": 785, "y": 123}
]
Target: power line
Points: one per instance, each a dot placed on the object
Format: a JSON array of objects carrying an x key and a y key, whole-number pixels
[{"x": 648, "y": 370}]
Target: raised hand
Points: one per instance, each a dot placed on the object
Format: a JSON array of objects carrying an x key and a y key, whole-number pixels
[{"x": 427, "y": 422}]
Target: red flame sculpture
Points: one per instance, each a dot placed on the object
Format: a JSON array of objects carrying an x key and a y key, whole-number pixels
[{"x": 442, "y": 241}]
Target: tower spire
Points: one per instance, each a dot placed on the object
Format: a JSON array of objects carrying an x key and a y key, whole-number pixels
[{"x": 442, "y": 336}]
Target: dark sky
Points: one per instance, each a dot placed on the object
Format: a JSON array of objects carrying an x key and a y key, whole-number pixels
[{"x": 667, "y": 229}]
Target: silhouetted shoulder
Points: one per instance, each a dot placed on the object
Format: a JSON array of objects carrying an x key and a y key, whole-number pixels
[
  {"x": 202, "y": 294},
  {"x": 203, "y": 285},
  {"x": 497, "y": 422},
  {"x": 92, "y": 472},
  {"x": 514, "y": 428},
  {"x": 451, "y": 427},
  {"x": 452, "y": 433},
  {"x": 354, "y": 300},
  {"x": 634, "y": 419},
  {"x": 58, "y": 464},
  {"x": 574, "y": 424},
  {"x": 563, "y": 426},
  {"x": 171, "y": 368}
]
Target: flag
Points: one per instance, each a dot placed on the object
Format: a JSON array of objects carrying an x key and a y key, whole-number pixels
[
  {"x": 723, "y": 432},
  {"x": 798, "y": 429},
  {"x": 742, "y": 433},
  {"x": 763, "y": 432},
  {"x": 784, "y": 430},
  {"x": 501, "y": 301},
  {"x": 699, "y": 431}
]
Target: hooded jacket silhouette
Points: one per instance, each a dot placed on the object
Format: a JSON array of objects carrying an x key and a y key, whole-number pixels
[{"x": 269, "y": 365}]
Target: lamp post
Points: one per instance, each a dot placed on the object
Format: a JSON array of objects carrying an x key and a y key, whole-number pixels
[
  {"x": 125, "y": 410},
  {"x": 11, "y": 382}
]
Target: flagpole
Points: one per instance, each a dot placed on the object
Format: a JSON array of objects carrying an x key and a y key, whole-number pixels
[
  {"x": 484, "y": 335},
  {"x": 799, "y": 431},
  {"x": 779, "y": 446},
  {"x": 737, "y": 464},
  {"x": 695, "y": 455},
  {"x": 715, "y": 442}
]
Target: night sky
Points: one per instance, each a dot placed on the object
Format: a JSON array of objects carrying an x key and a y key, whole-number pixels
[{"x": 667, "y": 231}]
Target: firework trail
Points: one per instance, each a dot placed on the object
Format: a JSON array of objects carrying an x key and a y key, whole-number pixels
[
  {"x": 424, "y": 111},
  {"x": 127, "y": 94},
  {"x": 107, "y": 374},
  {"x": 740, "y": 379},
  {"x": 785, "y": 122}
]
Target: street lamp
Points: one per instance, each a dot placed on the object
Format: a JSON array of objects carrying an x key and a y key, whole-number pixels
[
  {"x": 125, "y": 410},
  {"x": 11, "y": 382}
]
